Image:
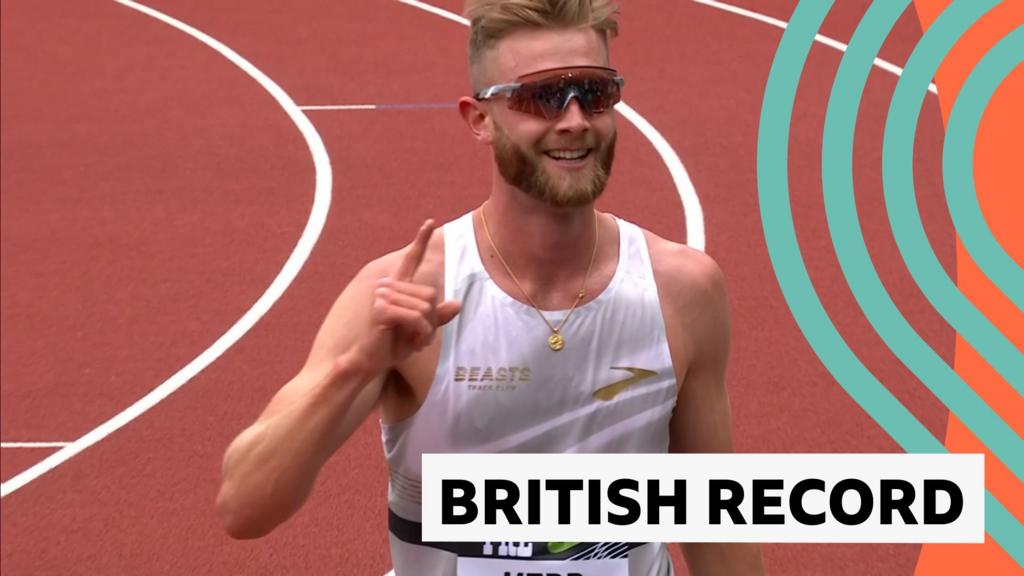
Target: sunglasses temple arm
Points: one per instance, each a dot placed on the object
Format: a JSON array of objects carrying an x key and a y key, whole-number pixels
[{"x": 492, "y": 91}]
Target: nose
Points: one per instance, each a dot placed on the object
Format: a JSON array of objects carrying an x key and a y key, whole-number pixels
[{"x": 573, "y": 119}]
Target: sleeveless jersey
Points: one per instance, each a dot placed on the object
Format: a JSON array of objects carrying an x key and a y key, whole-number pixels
[{"x": 500, "y": 388}]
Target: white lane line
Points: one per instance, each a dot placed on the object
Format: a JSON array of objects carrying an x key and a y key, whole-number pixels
[
  {"x": 310, "y": 234},
  {"x": 692, "y": 209},
  {"x": 34, "y": 444},
  {"x": 437, "y": 11},
  {"x": 830, "y": 42}
]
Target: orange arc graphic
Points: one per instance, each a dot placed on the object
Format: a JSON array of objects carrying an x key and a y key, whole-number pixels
[{"x": 998, "y": 174}]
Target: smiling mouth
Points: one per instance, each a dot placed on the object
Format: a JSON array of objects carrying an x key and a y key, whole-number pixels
[{"x": 568, "y": 155}]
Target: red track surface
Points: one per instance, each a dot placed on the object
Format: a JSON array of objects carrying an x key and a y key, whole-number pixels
[{"x": 151, "y": 191}]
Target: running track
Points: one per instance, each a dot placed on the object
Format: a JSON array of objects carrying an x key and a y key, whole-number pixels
[{"x": 152, "y": 191}]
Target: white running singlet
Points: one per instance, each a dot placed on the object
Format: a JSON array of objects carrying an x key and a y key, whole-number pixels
[{"x": 500, "y": 388}]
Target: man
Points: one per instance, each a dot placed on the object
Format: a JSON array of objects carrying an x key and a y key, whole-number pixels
[{"x": 502, "y": 331}]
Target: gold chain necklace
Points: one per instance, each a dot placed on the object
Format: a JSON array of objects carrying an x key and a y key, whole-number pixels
[{"x": 556, "y": 341}]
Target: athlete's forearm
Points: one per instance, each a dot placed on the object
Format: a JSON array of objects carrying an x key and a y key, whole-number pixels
[{"x": 270, "y": 468}]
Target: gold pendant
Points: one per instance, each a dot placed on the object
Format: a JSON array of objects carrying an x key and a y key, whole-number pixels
[{"x": 556, "y": 342}]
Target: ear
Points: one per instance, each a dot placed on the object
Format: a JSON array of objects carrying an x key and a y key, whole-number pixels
[{"x": 477, "y": 118}]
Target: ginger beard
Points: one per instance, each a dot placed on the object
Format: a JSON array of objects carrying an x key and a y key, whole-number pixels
[{"x": 562, "y": 189}]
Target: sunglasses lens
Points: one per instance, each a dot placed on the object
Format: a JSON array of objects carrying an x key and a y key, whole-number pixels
[
  {"x": 543, "y": 98},
  {"x": 547, "y": 98},
  {"x": 598, "y": 94}
]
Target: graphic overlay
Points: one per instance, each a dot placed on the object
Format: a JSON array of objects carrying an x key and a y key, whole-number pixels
[
  {"x": 703, "y": 497},
  {"x": 787, "y": 260},
  {"x": 897, "y": 163},
  {"x": 841, "y": 210},
  {"x": 958, "y": 171},
  {"x": 994, "y": 182}
]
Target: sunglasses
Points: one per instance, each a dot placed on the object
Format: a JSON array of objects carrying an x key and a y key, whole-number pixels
[{"x": 547, "y": 93}]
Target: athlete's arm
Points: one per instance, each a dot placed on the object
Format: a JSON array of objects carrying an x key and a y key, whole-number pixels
[
  {"x": 270, "y": 468},
  {"x": 701, "y": 422}
]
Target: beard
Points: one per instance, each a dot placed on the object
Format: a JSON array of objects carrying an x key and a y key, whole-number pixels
[{"x": 568, "y": 189}]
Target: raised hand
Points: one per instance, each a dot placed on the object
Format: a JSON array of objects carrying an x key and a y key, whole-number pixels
[{"x": 404, "y": 315}]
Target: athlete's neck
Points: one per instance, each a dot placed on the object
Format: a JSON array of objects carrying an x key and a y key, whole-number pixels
[{"x": 547, "y": 248}]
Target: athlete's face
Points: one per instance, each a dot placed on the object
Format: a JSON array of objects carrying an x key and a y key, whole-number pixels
[
  {"x": 555, "y": 181},
  {"x": 564, "y": 161}
]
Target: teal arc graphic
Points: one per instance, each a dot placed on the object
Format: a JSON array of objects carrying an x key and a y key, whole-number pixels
[
  {"x": 797, "y": 289},
  {"x": 898, "y": 178},
  {"x": 856, "y": 264},
  {"x": 958, "y": 168},
  {"x": 841, "y": 209}
]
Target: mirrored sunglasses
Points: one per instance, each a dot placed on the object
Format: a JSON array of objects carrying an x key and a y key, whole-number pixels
[{"x": 547, "y": 93}]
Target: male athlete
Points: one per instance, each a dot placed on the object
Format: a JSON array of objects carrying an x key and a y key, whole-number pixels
[{"x": 533, "y": 323}]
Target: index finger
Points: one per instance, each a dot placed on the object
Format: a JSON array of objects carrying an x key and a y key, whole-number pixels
[{"x": 414, "y": 255}]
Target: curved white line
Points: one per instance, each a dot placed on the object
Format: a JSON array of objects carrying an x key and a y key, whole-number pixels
[
  {"x": 692, "y": 210},
  {"x": 830, "y": 42},
  {"x": 315, "y": 224},
  {"x": 437, "y": 11}
]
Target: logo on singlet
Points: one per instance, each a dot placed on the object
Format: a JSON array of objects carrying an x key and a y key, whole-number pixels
[
  {"x": 492, "y": 378},
  {"x": 609, "y": 392}
]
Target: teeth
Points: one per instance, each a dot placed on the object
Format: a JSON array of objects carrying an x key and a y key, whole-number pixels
[{"x": 567, "y": 154}]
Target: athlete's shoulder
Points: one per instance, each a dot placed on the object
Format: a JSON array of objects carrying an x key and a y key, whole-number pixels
[
  {"x": 691, "y": 289},
  {"x": 684, "y": 273}
]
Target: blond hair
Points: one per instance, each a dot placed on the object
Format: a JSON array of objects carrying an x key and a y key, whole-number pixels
[{"x": 492, "y": 20}]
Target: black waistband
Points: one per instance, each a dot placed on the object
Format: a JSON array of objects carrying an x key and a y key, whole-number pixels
[{"x": 412, "y": 533}]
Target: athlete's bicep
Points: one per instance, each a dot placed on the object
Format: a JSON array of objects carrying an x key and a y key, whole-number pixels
[
  {"x": 341, "y": 329},
  {"x": 701, "y": 421}
]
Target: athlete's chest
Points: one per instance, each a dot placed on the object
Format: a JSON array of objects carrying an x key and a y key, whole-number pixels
[{"x": 524, "y": 397}]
